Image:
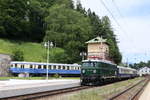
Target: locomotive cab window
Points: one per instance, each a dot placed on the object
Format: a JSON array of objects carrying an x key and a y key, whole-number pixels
[{"x": 89, "y": 64}]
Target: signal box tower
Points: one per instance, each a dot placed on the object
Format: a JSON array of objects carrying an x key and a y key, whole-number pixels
[{"x": 98, "y": 49}]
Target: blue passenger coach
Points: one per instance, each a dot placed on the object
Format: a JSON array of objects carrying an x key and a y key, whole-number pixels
[
  {"x": 126, "y": 72},
  {"x": 39, "y": 69}
]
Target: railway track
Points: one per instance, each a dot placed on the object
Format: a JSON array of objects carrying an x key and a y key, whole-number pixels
[
  {"x": 47, "y": 93},
  {"x": 131, "y": 93},
  {"x": 120, "y": 96},
  {"x": 50, "y": 93}
]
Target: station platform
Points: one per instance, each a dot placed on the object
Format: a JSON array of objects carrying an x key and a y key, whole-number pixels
[
  {"x": 146, "y": 94},
  {"x": 13, "y": 87}
]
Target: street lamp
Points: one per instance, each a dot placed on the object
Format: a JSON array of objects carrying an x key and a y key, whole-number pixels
[
  {"x": 48, "y": 44},
  {"x": 83, "y": 54}
]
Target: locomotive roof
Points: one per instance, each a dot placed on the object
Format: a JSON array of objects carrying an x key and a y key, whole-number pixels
[
  {"x": 103, "y": 61},
  {"x": 41, "y": 63}
]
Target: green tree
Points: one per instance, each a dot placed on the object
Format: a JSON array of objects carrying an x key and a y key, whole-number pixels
[
  {"x": 23, "y": 19},
  {"x": 67, "y": 27},
  {"x": 58, "y": 55},
  {"x": 12, "y": 18},
  {"x": 80, "y": 9},
  {"x": 18, "y": 55}
]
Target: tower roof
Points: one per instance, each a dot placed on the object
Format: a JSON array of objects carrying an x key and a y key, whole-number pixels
[{"x": 97, "y": 40}]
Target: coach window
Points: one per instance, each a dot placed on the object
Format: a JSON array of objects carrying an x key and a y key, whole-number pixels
[
  {"x": 78, "y": 68},
  {"x": 63, "y": 67},
  {"x": 11, "y": 65},
  {"x": 59, "y": 67},
  {"x": 31, "y": 66},
  {"x": 44, "y": 67},
  {"x": 16, "y": 65},
  {"x": 49, "y": 67},
  {"x": 67, "y": 67},
  {"x": 54, "y": 67},
  {"x": 39, "y": 66},
  {"x": 34, "y": 66},
  {"x": 22, "y": 66}
]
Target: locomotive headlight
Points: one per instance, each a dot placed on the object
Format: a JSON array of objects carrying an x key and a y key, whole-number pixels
[
  {"x": 83, "y": 71},
  {"x": 94, "y": 71}
]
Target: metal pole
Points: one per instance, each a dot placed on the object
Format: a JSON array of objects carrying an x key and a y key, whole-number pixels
[
  {"x": 83, "y": 56},
  {"x": 47, "y": 60},
  {"x": 102, "y": 49}
]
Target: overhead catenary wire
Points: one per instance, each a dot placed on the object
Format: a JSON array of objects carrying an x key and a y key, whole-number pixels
[
  {"x": 122, "y": 29},
  {"x": 110, "y": 12},
  {"x": 124, "y": 21},
  {"x": 117, "y": 8},
  {"x": 113, "y": 17},
  {"x": 103, "y": 3}
]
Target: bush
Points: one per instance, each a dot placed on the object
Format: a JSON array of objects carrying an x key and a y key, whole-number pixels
[
  {"x": 18, "y": 55},
  {"x": 57, "y": 75}
]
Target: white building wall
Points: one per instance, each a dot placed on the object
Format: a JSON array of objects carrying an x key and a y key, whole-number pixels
[{"x": 144, "y": 71}]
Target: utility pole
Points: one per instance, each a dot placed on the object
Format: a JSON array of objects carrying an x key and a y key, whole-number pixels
[
  {"x": 47, "y": 60},
  {"x": 127, "y": 62},
  {"x": 48, "y": 44},
  {"x": 102, "y": 48}
]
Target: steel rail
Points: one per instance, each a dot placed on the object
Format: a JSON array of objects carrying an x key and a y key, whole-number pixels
[
  {"x": 128, "y": 89},
  {"x": 138, "y": 93},
  {"x": 47, "y": 93}
]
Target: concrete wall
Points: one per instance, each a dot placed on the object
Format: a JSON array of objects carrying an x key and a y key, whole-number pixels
[
  {"x": 4, "y": 65},
  {"x": 144, "y": 71}
]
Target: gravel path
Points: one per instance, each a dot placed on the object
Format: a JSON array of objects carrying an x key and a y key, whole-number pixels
[{"x": 146, "y": 94}]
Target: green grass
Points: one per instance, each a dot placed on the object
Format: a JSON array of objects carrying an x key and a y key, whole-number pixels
[{"x": 32, "y": 51}]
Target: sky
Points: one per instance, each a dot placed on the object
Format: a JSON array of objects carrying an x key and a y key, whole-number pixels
[{"x": 133, "y": 31}]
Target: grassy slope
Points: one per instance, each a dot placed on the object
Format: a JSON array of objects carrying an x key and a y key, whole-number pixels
[{"x": 32, "y": 51}]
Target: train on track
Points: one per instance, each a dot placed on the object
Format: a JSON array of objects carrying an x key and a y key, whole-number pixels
[
  {"x": 96, "y": 72},
  {"x": 40, "y": 69}
]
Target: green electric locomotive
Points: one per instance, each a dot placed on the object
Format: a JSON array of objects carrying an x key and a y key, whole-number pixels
[{"x": 95, "y": 72}]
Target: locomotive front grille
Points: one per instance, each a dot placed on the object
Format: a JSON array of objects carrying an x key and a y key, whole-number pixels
[{"x": 90, "y": 78}]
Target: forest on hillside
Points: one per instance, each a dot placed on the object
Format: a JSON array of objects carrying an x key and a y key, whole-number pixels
[{"x": 67, "y": 25}]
